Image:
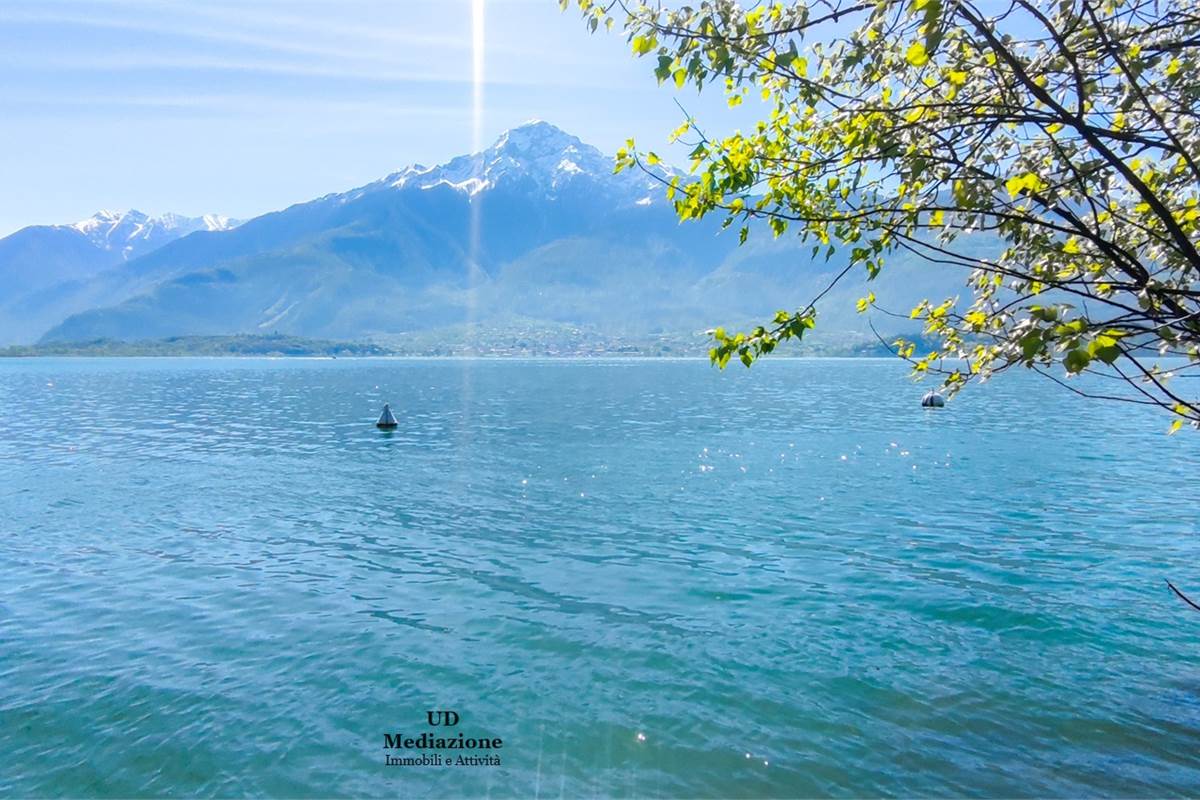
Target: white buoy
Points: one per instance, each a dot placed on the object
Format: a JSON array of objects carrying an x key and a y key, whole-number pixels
[
  {"x": 932, "y": 400},
  {"x": 387, "y": 420}
]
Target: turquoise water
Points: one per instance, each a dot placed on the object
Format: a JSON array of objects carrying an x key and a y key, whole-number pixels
[{"x": 649, "y": 578}]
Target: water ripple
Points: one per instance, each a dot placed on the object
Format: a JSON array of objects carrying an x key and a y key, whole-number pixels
[{"x": 650, "y": 578}]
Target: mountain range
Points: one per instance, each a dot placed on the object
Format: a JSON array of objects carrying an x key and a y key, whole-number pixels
[
  {"x": 535, "y": 227},
  {"x": 43, "y": 261}
]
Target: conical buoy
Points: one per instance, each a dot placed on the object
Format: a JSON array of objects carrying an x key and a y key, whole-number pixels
[
  {"x": 387, "y": 420},
  {"x": 932, "y": 400}
]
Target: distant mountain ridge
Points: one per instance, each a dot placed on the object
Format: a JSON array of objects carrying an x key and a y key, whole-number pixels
[
  {"x": 536, "y": 227},
  {"x": 41, "y": 258},
  {"x": 536, "y": 150},
  {"x": 131, "y": 233}
]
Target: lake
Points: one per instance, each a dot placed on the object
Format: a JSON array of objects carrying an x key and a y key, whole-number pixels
[{"x": 649, "y": 578}]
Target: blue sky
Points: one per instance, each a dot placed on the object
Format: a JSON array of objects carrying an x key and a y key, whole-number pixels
[{"x": 243, "y": 108}]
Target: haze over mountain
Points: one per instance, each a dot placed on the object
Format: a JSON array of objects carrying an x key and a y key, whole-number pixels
[
  {"x": 130, "y": 234},
  {"x": 536, "y": 226},
  {"x": 42, "y": 256}
]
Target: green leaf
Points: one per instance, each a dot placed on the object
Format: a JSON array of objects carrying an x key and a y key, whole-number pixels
[
  {"x": 1028, "y": 182},
  {"x": 643, "y": 44},
  {"x": 1105, "y": 349},
  {"x": 663, "y": 70},
  {"x": 1044, "y": 313},
  {"x": 916, "y": 54},
  {"x": 1076, "y": 360},
  {"x": 1031, "y": 345}
]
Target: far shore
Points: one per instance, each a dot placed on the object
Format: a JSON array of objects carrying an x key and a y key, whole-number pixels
[{"x": 580, "y": 344}]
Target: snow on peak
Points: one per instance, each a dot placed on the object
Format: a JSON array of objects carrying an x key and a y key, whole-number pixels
[
  {"x": 535, "y": 151},
  {"x": 132, "y": 233},
  {"x": 218, "y": 222},
  {"x": 101, "y": 219},
  {"x": 537, "y": 139}
]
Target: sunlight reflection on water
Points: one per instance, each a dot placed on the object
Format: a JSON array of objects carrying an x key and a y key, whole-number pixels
[{"x": 219, "y": 578}]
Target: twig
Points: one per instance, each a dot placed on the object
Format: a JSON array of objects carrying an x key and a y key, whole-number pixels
[{"x": 1183, "y": 596}]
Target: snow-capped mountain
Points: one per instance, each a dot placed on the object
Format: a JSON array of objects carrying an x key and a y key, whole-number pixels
[
  {"x": 536, "y": 152},
  {"x": 130, "y": 234},
  {"x": 43, "y": 267},
  {"x": 536, "y": 226}
]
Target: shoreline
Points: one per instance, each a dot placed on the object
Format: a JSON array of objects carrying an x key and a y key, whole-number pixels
[{"x": 480, "y": 357}]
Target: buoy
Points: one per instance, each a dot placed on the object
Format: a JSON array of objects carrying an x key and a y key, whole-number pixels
[
  {"x": 932, "y": 400},
  {"x": 387, "y": 420}
]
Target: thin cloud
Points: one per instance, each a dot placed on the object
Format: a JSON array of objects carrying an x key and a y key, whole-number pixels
[
  {"x": 158, "y": 62},
  {"x": 237, "y": 103},
  {"x": 228, "y": 32}
]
